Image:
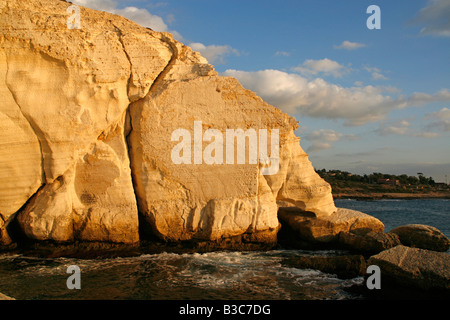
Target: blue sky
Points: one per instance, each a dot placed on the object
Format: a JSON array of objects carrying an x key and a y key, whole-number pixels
[{"x": 366, "y": 100}]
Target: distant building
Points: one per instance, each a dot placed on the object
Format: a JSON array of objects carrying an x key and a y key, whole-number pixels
[{"x": 394, "y": 182}]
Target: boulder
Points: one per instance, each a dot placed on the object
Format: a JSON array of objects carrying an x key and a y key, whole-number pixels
[
  {"x": 326, "y": 229},
  {"x": 422, "y": 236},
  {"x": 368, "y": 242},
  {"x": 414, "y": 267}
]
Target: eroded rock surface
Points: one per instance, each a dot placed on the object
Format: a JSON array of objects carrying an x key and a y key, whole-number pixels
[{"x": 88, "y": 117}]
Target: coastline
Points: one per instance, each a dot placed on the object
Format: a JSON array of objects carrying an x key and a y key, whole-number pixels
[{"x": 385, "y": 195}]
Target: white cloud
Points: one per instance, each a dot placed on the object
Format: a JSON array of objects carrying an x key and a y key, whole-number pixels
[
  {"x": 400, "y": 127},
  {"x": 426, "y": 134},
  {"x": 325, "y": 66},
  {"x": 140, "y": 16},
  {"x": 440, "y": 120},
  {"x": 293, "y": 94},
  {"x": 213, "y": 53},
  {"x": 322, "y": 139},
  {"x": 420, "y": 98},
  {"x": 435, "y": 17},
  {"x": 317, "y": 146},
  {"x": 143, "y": 18},
  {"x": 103, "y": 5},
  {"x": 347, "y": 45},
  {"x": 403, "y": 128},
  {"x": 170, "y": 18},
  {"x": 376, "y": 73},
  {"x": 324, "y": 135},
  {"x": 282, "y": 53}
]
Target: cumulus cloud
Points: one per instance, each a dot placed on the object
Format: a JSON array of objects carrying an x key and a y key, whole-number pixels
[
  {"x": 214, "y": 53},
  {"x": 435, "y": 18},
  {"x": 348, "y": 45},
  {"x": 143, "y": 18},
  {"x": 322, "y": 139},
  {"x": 318, "y": 98},
  {"x": 325, "y": 66}
]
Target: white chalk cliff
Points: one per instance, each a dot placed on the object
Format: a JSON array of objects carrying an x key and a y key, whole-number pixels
[{"x": 87, "y": 117}]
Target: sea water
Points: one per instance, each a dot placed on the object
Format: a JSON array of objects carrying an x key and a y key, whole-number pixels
[
  {"x": 259, "y": 275},
  {"x": 397, "y": 212}
]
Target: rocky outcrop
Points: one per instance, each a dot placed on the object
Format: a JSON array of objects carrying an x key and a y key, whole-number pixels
[
  {"x": 326, "y": 229},
  {"x": 368, "y": 242},
  {"x": 414, "y": 267},
  {"x": 422, "y": 236},
  {"x": 87, "y": 152}
]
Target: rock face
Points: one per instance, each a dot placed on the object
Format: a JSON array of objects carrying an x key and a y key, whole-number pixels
[
  {"x": 422, "y": 236},
  {"x": 413, "y": 267},
  {"x": 93, "y": 120}
]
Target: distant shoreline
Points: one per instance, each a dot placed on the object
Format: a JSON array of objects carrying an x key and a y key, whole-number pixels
[
  {"x": 384, "y": 196},
  {"x": 378, "y": 186}
]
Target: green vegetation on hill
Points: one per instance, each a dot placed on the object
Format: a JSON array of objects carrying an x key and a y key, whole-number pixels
[{"x": 380, "y": 185}]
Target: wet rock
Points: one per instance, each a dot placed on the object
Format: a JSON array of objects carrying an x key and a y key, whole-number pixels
[{"x": 345, "y": 267}]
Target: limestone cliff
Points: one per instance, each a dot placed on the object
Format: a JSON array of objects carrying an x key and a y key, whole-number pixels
[{"x": 87, "y": 119}]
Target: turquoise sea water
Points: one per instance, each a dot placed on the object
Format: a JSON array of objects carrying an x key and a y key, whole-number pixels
[{"x": 215, "y": 275}]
